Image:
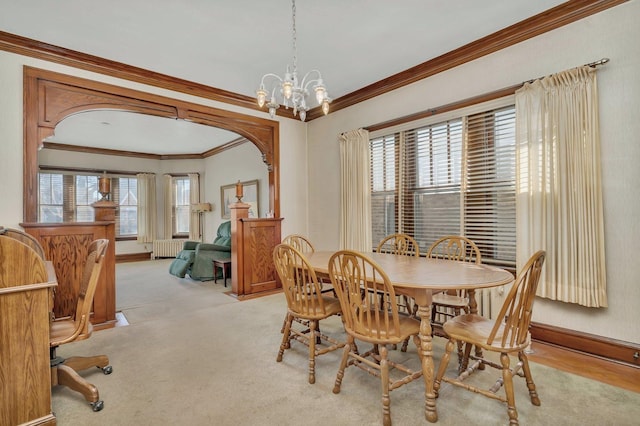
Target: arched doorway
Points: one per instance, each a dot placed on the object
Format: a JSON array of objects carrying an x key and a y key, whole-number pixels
[{"x": 50, "y": 97}]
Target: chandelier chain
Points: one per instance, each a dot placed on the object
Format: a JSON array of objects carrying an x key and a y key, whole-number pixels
[{"x": 295, "y": 37}]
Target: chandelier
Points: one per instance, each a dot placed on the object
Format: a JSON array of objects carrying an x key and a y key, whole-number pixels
[{"x": 290, "y": 91}]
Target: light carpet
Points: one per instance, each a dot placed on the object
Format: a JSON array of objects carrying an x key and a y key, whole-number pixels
[{"x": 193, "y": 355}]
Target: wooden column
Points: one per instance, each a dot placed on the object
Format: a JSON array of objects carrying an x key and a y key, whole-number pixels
[{"x": 238, "y": 211}]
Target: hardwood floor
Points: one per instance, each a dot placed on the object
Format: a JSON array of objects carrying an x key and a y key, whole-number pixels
[{"x": 616, "y": 374}]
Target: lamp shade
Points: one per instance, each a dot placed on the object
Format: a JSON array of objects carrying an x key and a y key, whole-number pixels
[{"x": 201, "y": 207}]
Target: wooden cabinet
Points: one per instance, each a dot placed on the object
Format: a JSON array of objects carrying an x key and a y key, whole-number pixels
[
  {"x": 253, "y": 240},
  {"x": 65, "y": 245}
]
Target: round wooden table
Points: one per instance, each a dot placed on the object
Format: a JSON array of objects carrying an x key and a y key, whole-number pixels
[{"x": 419, "y": 278}]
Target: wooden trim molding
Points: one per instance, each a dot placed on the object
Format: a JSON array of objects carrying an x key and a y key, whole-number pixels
[
  {"x": 615, "y": 350},
  {"x": 551, "y": 19},
  {"x": 49, "y": 97},
  {"x": 133, "y": 257}
]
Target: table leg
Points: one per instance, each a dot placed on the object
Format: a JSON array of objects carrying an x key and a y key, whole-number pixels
[{"x": 426, "y": 349}]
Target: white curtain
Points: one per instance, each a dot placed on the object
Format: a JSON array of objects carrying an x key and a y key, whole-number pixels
[
  {"x": 355, "y": 191},
  {"x": 559, "y": 197},
  {"x": 167, "y": 189},
  {"x": 194, "y": 198},
  {"x": 147, "y": 208}
]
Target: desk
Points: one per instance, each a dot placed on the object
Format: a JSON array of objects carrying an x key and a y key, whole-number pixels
[{"x": 420, "y": 278}]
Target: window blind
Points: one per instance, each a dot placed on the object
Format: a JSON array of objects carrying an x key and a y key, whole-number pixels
[
  {"x": 489, "y": 185},
  {"x": 454, "y": 177},
  {"x": 383, "y": 187},
  {"x": 67, "y": 196}
]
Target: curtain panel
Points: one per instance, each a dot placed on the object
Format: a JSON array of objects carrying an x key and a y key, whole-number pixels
[
  {"x": 147, "y": 209},
  {"x": 167, "y": 190},
  {"x": 194, "y": 198},
  {"x": 559, "y": 190},
  {"x": 355, "y": 191}
]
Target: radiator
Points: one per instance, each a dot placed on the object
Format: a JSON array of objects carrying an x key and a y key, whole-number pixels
[{"x": 166, "y": 248}]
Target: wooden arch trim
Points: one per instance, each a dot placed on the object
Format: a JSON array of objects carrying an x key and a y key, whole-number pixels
[{"x": 49, "y": 97}]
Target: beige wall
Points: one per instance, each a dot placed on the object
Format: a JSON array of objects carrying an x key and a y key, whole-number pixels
[{"x": 611, "y": 34}]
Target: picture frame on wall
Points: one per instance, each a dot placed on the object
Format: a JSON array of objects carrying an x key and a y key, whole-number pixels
[{"x": 250, "y": 191}]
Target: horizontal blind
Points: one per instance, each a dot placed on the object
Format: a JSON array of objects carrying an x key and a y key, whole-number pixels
[
  {"x": 50, "y": 197},
  {"x": 67, "y": 196},
  {"x": 383, "y": 187},
  {"x": 489, "y": 187},
  {"x": 430, "y": 189}
]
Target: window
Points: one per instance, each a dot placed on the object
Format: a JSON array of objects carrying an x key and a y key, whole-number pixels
[
  {"x": 125, "y": 191},
  {"x": 452, "y": 177},
  {"x": 68, "y": 196},
  {"x": 383, "y": 183},
  {"x": 181, "y": 206},
  {"x": 50, "y": 200},
  {"x": 86, "y": 193}
]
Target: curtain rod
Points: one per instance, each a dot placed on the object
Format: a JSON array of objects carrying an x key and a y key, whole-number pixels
[
  {"x": 461, "y": 104},
  {"x": 593, "y": 64}
]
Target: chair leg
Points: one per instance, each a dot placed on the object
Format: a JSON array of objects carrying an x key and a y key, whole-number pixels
[
  {"x": 312, "y": 351},
  {"x": 343, "y": 363},
  {"x": 80, "y": 363},
  {"x": 535, "y": 400},
  {"x": 384, "y": 378},
  {"x": 66, "y": 376},
  {"x": 286, "y": 335},
  {"x": 507, "y": 377},
  {"x": 465, "y": 359},
  {"x": 443, "y": 366}
]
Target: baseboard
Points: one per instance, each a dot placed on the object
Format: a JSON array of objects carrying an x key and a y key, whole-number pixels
[
  {"x": 611, "y": 349},
  {"x": 132, "y": 257}
]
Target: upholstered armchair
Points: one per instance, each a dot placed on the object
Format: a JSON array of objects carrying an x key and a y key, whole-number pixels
[{"x": 196, "y": 258}]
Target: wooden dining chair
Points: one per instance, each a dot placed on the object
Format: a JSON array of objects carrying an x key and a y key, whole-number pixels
[
  {"x": 306, "y": 303},
  {"x": 507, "y": 335},
  {"x": 303, "y": 245},
  {"x": 451, "y": 303},
  {"x": 402, "y": 245},
  {"x": 299, "y": 242},
  {"x": 372, "y": 319}
]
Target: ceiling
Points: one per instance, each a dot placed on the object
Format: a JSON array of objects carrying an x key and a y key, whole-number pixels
[{"x": 229, "y": 45}]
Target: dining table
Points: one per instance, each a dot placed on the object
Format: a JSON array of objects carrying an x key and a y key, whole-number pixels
[{"x": 419, "y": 278}]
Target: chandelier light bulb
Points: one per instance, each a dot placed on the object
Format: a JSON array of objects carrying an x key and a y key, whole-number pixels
[
  {"x": 325, "y": 106},
  {"x": 320, "y": 93},
  {"x": 262, "y": 96},
  {"x": 303, "y": 115},
  {"x": 287, "y": 89}
]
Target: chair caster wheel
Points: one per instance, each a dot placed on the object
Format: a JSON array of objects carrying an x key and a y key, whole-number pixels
[
  {"x": 107, "y": 370},
  {"x": 97, "y": 406}
]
